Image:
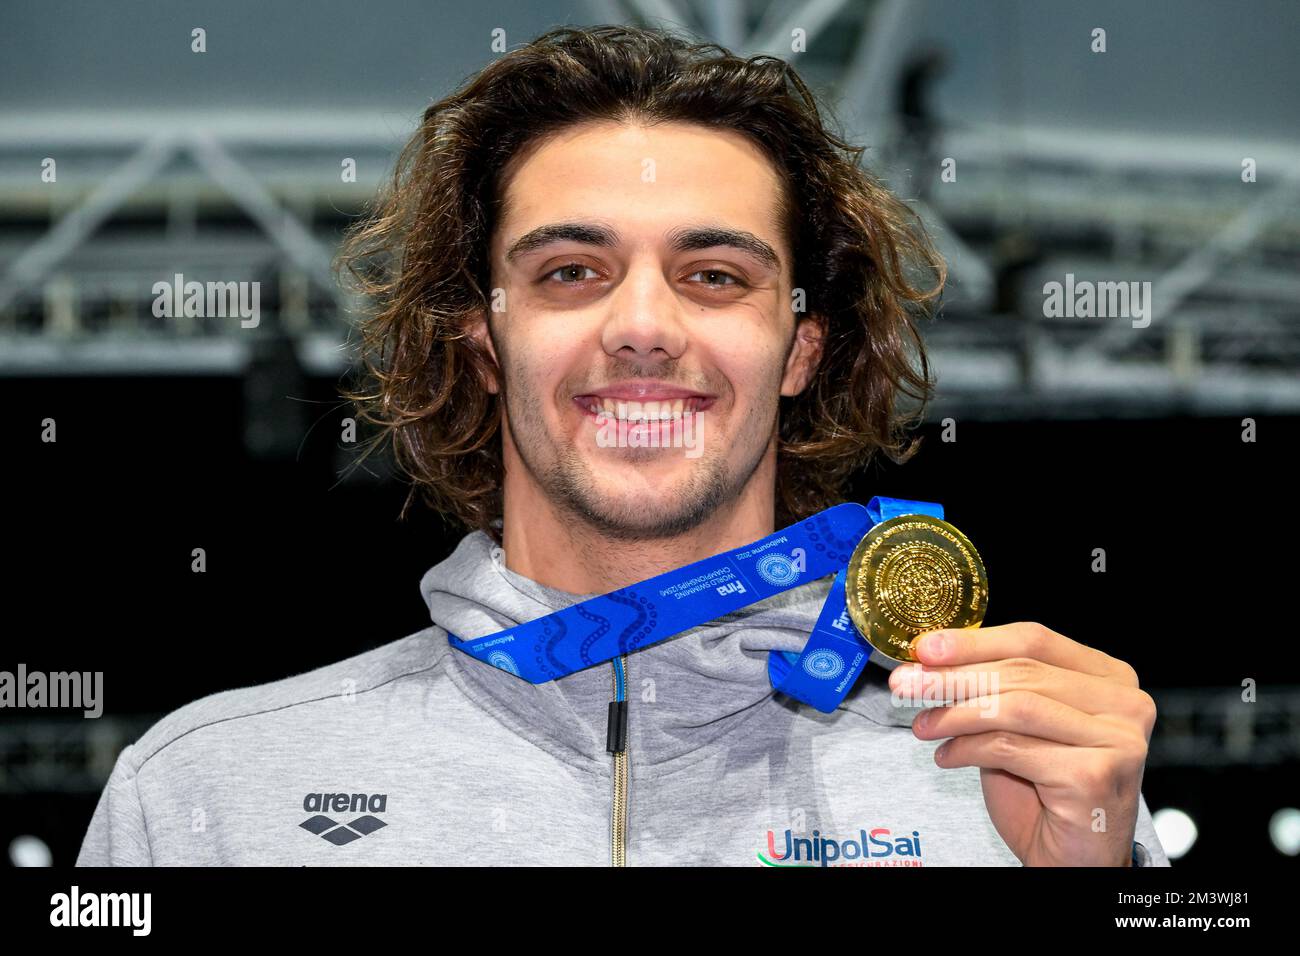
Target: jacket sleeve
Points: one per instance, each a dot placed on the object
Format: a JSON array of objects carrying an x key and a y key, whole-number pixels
[
  {"x": 1145, "y": 833},
  {"x": 117, "y": 834}
]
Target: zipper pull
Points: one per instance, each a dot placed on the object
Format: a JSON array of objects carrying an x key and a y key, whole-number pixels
[{"x": 616, "y": 734}]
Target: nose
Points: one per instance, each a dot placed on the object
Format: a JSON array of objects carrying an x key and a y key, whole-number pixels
[{"x": 644, "y": 320}]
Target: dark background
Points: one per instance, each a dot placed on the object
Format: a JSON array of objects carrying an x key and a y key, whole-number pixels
[
  {"x": 1072, "y": 434},
  {"x": 309, "y": 564}
]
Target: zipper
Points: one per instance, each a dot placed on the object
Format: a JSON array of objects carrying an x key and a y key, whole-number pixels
[{"x": 616, "y": 743}]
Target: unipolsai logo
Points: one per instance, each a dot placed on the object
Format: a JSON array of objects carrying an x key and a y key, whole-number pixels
[
  {"x": 877, "y": 847},
  {"x": 780, "y": 570}
]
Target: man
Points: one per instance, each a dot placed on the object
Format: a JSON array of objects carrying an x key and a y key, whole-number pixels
[{"x": 635, "y": 306}]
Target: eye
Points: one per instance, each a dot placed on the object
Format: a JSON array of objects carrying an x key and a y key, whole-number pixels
[
  {"x": 715, "y": 273},
  {"x": 568, "y": 269}
]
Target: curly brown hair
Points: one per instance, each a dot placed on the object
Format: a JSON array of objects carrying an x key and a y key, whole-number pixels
[{"x": 420, "y": 256}]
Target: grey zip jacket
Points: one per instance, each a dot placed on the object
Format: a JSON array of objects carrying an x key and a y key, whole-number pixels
[{"x": 417, "y": 754}]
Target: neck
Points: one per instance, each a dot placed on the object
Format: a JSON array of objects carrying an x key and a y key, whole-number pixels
[{"x": 556, "y": 548}]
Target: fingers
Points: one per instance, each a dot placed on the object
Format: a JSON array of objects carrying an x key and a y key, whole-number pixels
[
  {"x": 1043, "y": 762},
  {"x": 1023, "y": 712},
  {"x": 974, "y": 645},
  {"x": 1083, "y": 692},
  {"x": 1094, "y": 775}
]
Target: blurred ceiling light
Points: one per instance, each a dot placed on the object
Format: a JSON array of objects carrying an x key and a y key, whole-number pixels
[
  {"x": 29, "y": 851},
  {"x": 1284, "y": 830},
  {"x": 1176, "y": 830}
]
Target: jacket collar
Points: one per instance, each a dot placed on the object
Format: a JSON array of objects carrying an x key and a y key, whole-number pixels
[{"x": 686, "y": 694}]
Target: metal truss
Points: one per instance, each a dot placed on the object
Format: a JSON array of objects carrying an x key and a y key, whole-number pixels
[
  {"x": 1205, "y": 728},
  {"x": 1029, "y": 206},
  {"x": 46, "y": 755}
]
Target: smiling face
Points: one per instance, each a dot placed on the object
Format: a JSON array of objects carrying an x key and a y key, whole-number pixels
[{"x": 645, "y": 277}]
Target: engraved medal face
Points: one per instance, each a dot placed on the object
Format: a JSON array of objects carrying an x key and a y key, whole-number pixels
[{"x": 912, "y": 574}]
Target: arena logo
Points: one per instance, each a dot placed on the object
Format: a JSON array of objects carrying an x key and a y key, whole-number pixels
[
  {"x": 879, "y": 847},
  {"x": 1103, "y": 300},
  {"x": 181, "y": 299},
  {"x": 341, "y": 834}
]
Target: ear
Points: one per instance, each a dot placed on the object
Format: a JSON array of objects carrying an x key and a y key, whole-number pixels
[
  {"x": 478, "y": 330},
  {"x": 805, "y": 356}
]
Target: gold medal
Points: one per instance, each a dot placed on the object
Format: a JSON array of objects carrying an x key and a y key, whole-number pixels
[{"x": 911, "y": 574}]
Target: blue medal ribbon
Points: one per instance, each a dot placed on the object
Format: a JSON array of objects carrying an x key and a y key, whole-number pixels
[{"x": 632, "y": 618}]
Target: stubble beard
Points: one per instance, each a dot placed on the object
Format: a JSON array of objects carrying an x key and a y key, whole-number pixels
[{"x": 572, "y": 489}]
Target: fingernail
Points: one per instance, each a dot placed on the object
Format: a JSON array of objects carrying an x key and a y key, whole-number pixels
[{"x": 936, "y": 644}]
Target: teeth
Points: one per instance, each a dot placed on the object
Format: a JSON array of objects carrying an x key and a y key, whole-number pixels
[{"x": 632, "y": 412}]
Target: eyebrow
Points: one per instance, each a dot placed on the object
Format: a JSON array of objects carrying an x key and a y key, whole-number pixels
[{"x": 682, "y": 240}]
